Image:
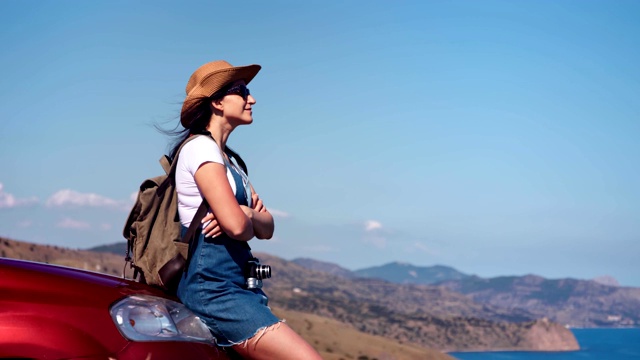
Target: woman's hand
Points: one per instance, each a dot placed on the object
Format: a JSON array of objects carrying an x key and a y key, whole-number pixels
[
  {"x": 212, "y": 228},
  {"x": 257, "y": 203},
  {"x": 261, "y": 219}
]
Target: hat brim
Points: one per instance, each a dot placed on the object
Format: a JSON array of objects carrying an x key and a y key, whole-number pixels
[{"x": 216, "y": 80}]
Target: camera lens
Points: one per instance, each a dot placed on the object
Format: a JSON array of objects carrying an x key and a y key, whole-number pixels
[{"x": 263, "y": 271}]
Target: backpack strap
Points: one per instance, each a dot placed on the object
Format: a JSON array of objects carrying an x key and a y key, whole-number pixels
[{"x": 190, "y": 236}]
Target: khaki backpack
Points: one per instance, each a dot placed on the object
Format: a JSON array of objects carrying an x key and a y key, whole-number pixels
[{"x": 155, "y": 249}]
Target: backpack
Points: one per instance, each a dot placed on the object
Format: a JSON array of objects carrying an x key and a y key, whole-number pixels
[{"x": 155, "y": 249}]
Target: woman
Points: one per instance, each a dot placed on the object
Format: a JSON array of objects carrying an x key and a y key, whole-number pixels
[{"x": 214, "y": 285}]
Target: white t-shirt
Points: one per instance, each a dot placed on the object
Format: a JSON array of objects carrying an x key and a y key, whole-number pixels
[{"x": 193, "y": 154}]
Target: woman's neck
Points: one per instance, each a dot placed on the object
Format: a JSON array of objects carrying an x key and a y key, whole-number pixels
[{"x": 219, "y": 132}]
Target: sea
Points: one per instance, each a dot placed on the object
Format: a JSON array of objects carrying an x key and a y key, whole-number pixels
[{"x": 595, "y": 344}]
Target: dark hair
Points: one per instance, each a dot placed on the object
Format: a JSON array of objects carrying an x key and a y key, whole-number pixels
[{"x": 197, "y": 114}]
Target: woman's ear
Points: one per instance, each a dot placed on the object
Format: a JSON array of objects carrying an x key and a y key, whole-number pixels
[{"x": 216, "y": 106}]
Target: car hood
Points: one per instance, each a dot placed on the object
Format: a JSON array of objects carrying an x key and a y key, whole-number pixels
[{"x": 53, "y": 283}]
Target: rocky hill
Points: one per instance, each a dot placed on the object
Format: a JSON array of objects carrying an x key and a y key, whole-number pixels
[{"x": 578, "y": 303}]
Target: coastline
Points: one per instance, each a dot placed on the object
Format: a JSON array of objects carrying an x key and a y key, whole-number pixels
[{"x": 594, "y": 344}]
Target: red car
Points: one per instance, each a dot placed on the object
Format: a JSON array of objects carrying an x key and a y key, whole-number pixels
[{"x": 55, "y": 312}]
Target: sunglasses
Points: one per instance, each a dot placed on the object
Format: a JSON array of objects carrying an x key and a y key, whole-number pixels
[{"x": 241, "y": 90}]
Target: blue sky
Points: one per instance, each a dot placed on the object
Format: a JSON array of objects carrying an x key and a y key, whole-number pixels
[{"x": 497, "y": 137}]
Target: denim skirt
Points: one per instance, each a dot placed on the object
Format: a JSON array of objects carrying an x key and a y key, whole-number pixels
[{"x": 214, "y": 288}]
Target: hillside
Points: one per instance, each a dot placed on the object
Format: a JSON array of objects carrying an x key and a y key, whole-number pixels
[
  {"x": 106, "y": 262},
  {"x": 579, "y": 303},
  {"x": 336, "y": 340},
  {"x": 600, "y": 302},
  {"x": 425, "y": 315}
]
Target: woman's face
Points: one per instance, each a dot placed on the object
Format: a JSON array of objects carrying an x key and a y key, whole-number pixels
[{"x": 237, "y": 104}]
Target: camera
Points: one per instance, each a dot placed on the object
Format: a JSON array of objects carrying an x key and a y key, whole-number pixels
[{"x": 255, "y": 272}]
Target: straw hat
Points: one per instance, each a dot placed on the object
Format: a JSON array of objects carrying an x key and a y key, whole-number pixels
[{"x": 213, "y": 76}]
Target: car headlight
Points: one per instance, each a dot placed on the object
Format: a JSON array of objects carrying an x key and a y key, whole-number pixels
[{"x": 151, "y": 318}]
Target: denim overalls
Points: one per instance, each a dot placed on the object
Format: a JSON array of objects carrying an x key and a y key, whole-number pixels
[{"x": 213, "y": 286}]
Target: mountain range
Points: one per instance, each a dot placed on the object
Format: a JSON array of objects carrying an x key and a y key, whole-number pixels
[
  {"x": 574, "y": 303},
  {"x": 433, "y": 307},
  {"x": 396, "y": 272}
]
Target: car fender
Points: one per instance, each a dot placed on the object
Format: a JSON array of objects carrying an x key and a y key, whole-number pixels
[{"x": 32, "y": 336}]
